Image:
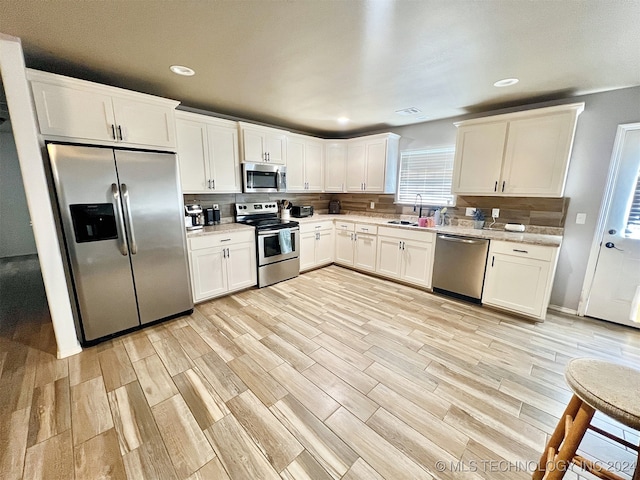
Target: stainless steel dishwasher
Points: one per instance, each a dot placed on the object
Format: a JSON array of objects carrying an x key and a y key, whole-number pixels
[{"x": 458, "y": 269}]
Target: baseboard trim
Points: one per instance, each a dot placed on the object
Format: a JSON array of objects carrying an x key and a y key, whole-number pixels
[
  {"x": 70, "y": 351},
  {"x": 558, "y": 308}
]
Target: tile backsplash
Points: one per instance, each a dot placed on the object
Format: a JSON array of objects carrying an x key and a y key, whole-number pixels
[{"x": 546, "y": 212}]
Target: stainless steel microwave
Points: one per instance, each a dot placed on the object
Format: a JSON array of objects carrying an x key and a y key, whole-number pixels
[{"x": 263, "y": 178}]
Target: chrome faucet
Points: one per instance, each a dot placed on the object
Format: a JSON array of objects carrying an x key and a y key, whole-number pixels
[{"x": 415, "y": 202}]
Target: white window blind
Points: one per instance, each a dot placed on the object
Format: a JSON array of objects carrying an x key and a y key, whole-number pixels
[
  {"x": 429, "y": 173},
  {"x": 633, "y": 218}
]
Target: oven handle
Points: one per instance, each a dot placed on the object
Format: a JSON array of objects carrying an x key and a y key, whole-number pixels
[{"x": 269, "y": 232}]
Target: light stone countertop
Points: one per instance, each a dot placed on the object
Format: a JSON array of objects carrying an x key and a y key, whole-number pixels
[
  {"x": 517, "y": 237},
  {"x": 222, "y": 228}
]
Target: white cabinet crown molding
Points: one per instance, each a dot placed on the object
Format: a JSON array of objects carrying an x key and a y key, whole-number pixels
[{"x": 505, "y": 117}]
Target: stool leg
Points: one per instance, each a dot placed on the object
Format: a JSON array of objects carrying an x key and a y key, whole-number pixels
[
  {"x": 571, "y": 442},
  {"x": 557, "y": 436}
]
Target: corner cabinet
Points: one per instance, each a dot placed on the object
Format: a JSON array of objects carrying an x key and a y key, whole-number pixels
[
  {"x": 262, "y": 144},
  {"x": 405, "y": 255},
  {"x": 222, "y": 263},
  {"x": 372, "y": 163},
  {"x": 519, "y": 277},
  {"x": 86, "y": 112},
  {"x": 305, "y": 164},
  {"x": 316, "y": 244},
  {"x": 207, "y": 154},
  {"x": 519, "y": 154}
]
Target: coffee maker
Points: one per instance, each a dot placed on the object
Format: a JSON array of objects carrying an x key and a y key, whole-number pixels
[{"x": 192, "y": 214}]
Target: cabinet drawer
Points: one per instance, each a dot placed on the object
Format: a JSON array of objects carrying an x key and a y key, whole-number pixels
[
  {"x": 316, "y": 226},
  {"x": 346, "y": 226},
  {"x": 365, "y": 228},
  {"x": 407, "y": 234},
  {"x": 524, "y": 250},
  {"x": 217, "y": 240}
]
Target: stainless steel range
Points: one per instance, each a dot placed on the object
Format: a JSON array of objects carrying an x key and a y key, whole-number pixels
[{"x": 277, "y": 241}]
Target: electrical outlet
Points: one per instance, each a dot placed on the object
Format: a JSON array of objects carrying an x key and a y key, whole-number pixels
[
  {"x": 581, "y": 218},
  {"x": 495, "y": 212},
  {"x": 215, "y": 206},
  {"x": 469, "y": 211},
  {"x": 372, "y": 205}
]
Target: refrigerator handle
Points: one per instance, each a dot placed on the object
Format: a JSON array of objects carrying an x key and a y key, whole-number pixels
[
  {"x": 116, "y": 197},
  {"x": 127, "y": 204}
]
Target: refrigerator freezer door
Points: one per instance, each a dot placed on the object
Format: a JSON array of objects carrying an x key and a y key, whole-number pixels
[
  {"x": 92, "y": 220},
  {"x": 154, "y": 216}
]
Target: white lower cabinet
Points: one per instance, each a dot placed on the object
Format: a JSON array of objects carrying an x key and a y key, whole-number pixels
[
  {"x": 405, "y": 255},
  {"x": 316, "y": 244},
  {"x": 344, "y": 243},
  {"x": 365, "y": 247},
  {"x": 519, "y": 277},
  {"x": 222, "y": 263}
]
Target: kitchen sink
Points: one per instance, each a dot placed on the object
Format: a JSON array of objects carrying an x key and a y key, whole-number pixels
[{"x": 403, "y": 222}]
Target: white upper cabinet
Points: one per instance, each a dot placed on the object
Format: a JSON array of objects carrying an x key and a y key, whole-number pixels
[
  {"x": 89, "y": 112},
  {"x": 335, "y": 165},
  {"x": 518, "y": 154},
  {"x": 263, "y": 144},
  {"x": 372, "y": 163},
  {"x": 207, "y": 154},
  {"x": 304, "y": 164}
]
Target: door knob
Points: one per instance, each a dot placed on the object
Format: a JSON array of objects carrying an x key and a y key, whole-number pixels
[
  {"x": 612, "y": 245},
  {"x": 612, "y": 232}
]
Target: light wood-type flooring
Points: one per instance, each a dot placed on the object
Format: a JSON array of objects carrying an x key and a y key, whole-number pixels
[{"x": 333, "y": 374}]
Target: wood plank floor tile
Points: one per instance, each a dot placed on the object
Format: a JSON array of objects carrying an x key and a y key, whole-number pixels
[
  {"x": 154, "y": 379},
  {"x": 224, "y": 381},
  {"x": 287, "y": 352},
  {"x": 51, "y": 459},
  {"x": 142, "y": 463},
  {"x": 305, "y": 467},
  {"x": 188, "y": 448},
  {"x": 99, "y": 457},
  {"x": 172, "y": 355},
  {"x": 272, "y": 438},
  {"x": 116, "y": 367},
  {"x": 205, "y": 404},
  {"x": 237, "y": 452},
  {"x": 361, "y": 470},
  {"x": 50, "y": 411},
  {"x": 192, "y": 343},
  {"x": 138, "y": 346},
  {"x": 374, "y": 449},
  {"x": 14, "y": 428},
  {"x": 211, "y": 471},
  {"x": 84, "y": 366},
  {"x": 354, "y": 377},
  {"x": 90, "y": 412},
  {"x": 258, "y": 380},
  {"x": 258, "y": 352},
  {"x": 50, "y": 369},
  {"x": 220, "y": 344}
]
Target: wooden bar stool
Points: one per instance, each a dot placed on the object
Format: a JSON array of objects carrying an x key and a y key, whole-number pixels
[{"x": 597, "y": 385}]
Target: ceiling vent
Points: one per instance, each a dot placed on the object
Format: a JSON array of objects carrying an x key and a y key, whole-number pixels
[{"x": 409, "y": 111}]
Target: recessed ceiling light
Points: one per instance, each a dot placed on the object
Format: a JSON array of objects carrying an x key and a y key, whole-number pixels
[
  {"x": 408, "y": 111},
  {"x": 181, "y": 70},
  {"x": 343, "y": 120},
  {"x": 506, "y": 82}
]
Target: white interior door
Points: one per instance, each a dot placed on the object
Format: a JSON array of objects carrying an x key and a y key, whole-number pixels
[{"x": 616, "y": 282}]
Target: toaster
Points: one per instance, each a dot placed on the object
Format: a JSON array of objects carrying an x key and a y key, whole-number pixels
[{"x": 301, "y": 211}]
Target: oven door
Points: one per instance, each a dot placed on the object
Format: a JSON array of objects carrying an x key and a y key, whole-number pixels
[
  {"x": 269, "y": 246},
  {"x": 261, "y": 178}
]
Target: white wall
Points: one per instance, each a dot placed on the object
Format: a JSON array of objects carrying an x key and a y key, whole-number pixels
[
  {"x": 588, "y": 169},
  {"x": 16, "y": 235}
]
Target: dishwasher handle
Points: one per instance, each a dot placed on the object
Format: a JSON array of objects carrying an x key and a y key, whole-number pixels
[{"x": 460, "y": 240}]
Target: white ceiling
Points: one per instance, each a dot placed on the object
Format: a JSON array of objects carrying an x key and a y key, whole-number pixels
[{"x": 302, "y": 64}]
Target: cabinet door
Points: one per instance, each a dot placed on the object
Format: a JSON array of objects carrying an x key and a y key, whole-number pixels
[
  {"x": 478, "y": 158},
  {"x": 416, "y": 262},
  {"x": 365, "y": 252},
  {"x": 193, "y": 156},
  {"x": 144, "y": 123},
  {"x": 68, "y": 112},
  {"x": 307, "y": 251},
  {"x": 241, "y": 266},
  {"x": 253, "y": 143},
  {"x": 389, "y": 257},
  {"x": 296, "y": 180},
  {"x": 208, "y": 273},
  {"x": 335, "y": 167},
  {"x": 356, "y": 153},
  {"x": 224, "y": 159},
  {"x": 376, "y": 160},
  {"x": 537, "y": 155},
  {"x": 344, "y": 247},
  {"x": 276, "y": 148},
  {"x": 516, "y": 283},
  {"x": 313, "y": 165},
  {"x": 325, "y": 247}
]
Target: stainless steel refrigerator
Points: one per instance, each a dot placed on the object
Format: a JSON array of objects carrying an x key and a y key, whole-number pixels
[{"x": 123, "y": 224}]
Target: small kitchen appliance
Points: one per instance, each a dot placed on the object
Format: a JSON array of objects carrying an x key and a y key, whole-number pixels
[
  {"x": 193, "y": 213},
  {"x": 301, "y": 211},
  {"x": 276, "y": 262},
  {"x": 211, "y": 216},
  {"x": 334, "y": 206}
]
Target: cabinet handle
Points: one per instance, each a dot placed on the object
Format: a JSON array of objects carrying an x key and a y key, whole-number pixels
[
  {"x": 399, "y": 245},
  {"x": 224, "y": 253},
  {"x": 268, "y": 156},
  {"x": 209, "y": 183},
  {"x": 503, "y": 184},
  {"x": 365, "y": 229},
  {"x": 228, "y": 253},
  {"x": 317, "y": 236},
  {"x": 113, "y": 131},
  {"x": 520, "y": 251},
  {"x": 318, "y": 226},
  {"x": 495, "y": 187},
  {"x": 493, "y": 259},
  {"x": 213, "y": 184},
  {"x": 120, "y": 132},
  {"x": 225, "y": 240},
  {"x": 403, "y": 245},
  {"x": 364, "y": 186}
]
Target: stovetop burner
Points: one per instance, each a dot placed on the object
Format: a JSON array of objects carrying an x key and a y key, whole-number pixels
[{"x": 262, "y": 216}]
